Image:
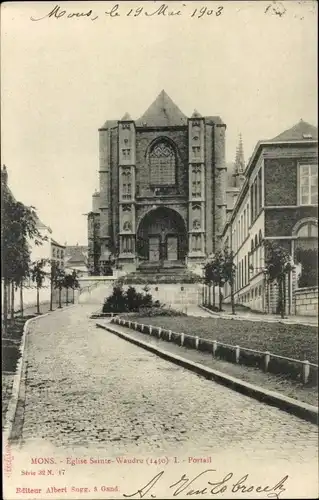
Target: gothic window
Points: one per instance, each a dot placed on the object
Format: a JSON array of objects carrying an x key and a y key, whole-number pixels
[
  {"x": 126, "y": 244},
  {"x": 196, "y": 151},
  {"x": 126, "y": 185},
  {"x": 162, "y": 164},
  {"x": 197, "y": 240},
  {"x": 196, "y": 182}
]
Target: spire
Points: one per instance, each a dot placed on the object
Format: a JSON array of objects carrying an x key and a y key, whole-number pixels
[{"x": 240, "y": 161}]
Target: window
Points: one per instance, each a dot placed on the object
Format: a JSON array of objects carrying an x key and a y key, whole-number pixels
[
  {"x": 126, "y": 185},
  {"x": 245, "y": 223},
  {"x": 260, "y": 195},
  {"x": 162, "y": 164},
  {"x": 308, "y": 230},
  {"x": 308, "y": 184},
  {"x": 197, "y": 240},
  {"x": 196, "y": 182}
]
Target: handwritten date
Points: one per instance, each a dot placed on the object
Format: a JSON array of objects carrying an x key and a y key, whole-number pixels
[{"x": 117, "y": 10}]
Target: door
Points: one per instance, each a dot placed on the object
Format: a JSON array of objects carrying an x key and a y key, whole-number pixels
[
  {"x": 172, "y": 248},
  {"x": 154, "y": 248}
]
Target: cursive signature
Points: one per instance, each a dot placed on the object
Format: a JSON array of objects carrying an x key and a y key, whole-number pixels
[{"x": 200, "y": 485}]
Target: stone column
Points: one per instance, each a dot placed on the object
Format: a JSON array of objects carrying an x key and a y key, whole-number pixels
[
  {"x": 104, "y": 198},
  {"x": 196, "y": 196},
  {"x": 127, "y": 192}
]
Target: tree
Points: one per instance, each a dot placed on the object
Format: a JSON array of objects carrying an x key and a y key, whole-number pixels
[
  {"x": 53, "y": 273},
  {"x": 228, "y": 273},
  {"x": 38, "y": 276},
  {"x": 59, "y": 282},
  {"x": 70, "y": 281},
  {"x": 278, "y": 264},
  {"x": 18, "y": 226},
  {"x": 213, "y": 270},
  {"x": 74, "y": 283}
]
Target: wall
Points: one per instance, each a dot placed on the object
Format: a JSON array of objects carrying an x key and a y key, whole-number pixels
[
  {"x": 172, "y": 295},
  {"x": 306, "y": 301}
]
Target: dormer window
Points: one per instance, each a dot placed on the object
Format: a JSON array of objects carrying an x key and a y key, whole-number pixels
[{"x": 307, "y": 136}]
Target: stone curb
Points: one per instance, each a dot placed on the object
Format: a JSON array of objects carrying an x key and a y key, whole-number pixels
[
  {"x": 19, "y": 378},
  {"x": 292, "y": 406},
  {"x": 261, "y": 320}
]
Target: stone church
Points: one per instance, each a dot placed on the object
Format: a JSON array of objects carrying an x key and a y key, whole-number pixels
[{"x": 162, "y": 195}]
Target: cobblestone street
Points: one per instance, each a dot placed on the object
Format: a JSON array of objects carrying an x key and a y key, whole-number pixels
[{"x": 88, "y": 388}]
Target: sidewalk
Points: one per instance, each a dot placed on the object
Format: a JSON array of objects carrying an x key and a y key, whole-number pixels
[
  {"x": 242, "y": 314},
  {"x": 241, "y": 376}
]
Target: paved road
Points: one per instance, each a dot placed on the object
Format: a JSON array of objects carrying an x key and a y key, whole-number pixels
[{"x": 87, "y": 387}]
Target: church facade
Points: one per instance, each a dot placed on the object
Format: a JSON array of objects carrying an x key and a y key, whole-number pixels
[{"x": 162, "y": 190}]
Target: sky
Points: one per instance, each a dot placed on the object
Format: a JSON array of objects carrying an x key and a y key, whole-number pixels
[{"x": 254, "y": 65}]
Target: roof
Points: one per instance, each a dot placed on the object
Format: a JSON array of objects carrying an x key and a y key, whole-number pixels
[
  {"x": 56, "y": 243},
  {"x": 162, "y": 112},
  {"x": 301, "y": 131},
  {"x": 40, "y": 224},
  {"x": 76, "y": 253}
]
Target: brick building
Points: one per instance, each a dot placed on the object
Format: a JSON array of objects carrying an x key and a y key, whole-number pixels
[
  {"x": 278, "y": 201},
  {"x": 162, "y": 197}
]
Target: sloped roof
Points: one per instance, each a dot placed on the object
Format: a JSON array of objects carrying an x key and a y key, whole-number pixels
[
  {"x": 301, "y": 131},
  {"x": 56, "y": 243},
  {"x": 162, "y": 112},
  {"x": 76, "y": 253}
]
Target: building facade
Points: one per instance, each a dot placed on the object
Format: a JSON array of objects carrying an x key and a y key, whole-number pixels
[
  {"x": 162, "y": 197},
  {"x": 278, "y": 202},
  {"x": 76, "y": 259},
  {"x": 49, "y": 250}
]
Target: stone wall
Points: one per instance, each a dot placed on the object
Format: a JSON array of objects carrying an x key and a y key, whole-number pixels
[{"x": 306, "y": 301}]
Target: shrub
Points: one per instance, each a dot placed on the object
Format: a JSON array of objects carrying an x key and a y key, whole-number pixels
[
  {"x": 130, "y": 301},
  {"x": 158, "y": 310}
]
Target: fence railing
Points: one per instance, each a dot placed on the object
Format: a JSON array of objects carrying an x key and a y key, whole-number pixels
[{"x": 236, "y": 353}]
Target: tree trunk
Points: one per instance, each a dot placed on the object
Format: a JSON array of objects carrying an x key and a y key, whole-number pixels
[
  {"x": 283, "y": 296},
  {"x": 72, "y": 295},
  {"x": 60, "y": 305},
  {"x": 8, "y": 298},
  {"x": 232, "y": 299},
  {"x": 38, "y": 300},
  {"x": 12, "y": 301},
  {"x": 21, "y": 300},
  {"x": 214, "y": 298},
  {"x": 280, "y": 291},
  {"x": 209, "y": 295},
  {"x": 220, "y": 298},
  {"x": 51, "y": 294},
  {"x": 67, "y": 296},
  {"x": 5, "y": 306}
]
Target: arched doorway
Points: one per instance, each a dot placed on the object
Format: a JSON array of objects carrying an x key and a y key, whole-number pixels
[{"x": 162, "y": 237}]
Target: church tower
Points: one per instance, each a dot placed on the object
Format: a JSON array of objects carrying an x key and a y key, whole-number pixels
[
  {"x": 239, "y": 164},
  {"x": 162, "y": 196}
]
